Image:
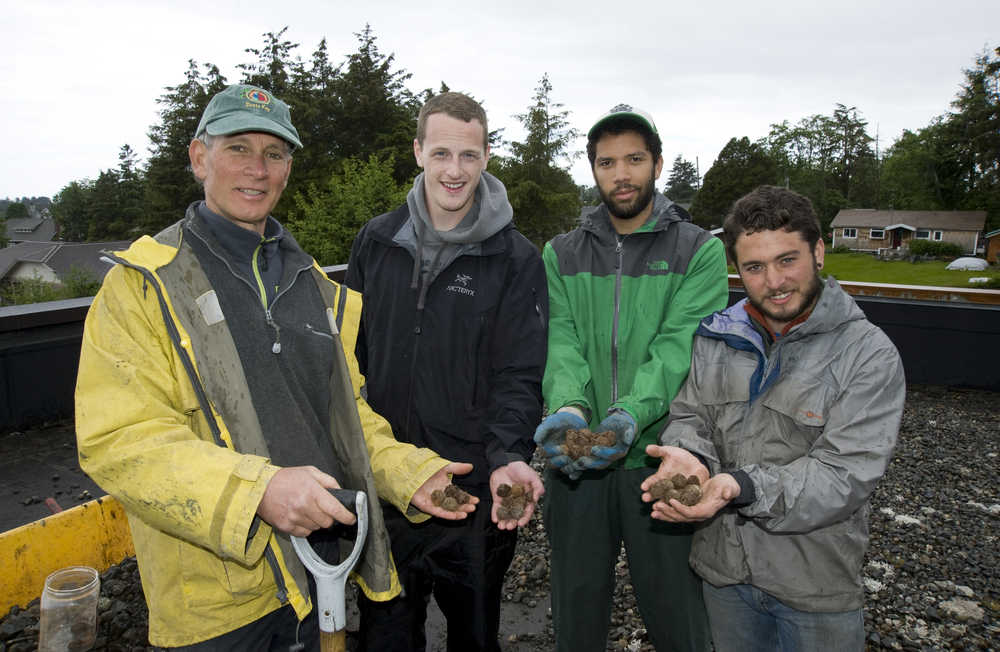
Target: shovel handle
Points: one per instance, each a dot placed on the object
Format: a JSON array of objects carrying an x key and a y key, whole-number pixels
[
  {"x": 332, "y": 641},
  {"x": 347, "y": 497}
]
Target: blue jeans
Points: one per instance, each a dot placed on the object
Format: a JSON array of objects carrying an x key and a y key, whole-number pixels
[{"x": 745, "y": 619}]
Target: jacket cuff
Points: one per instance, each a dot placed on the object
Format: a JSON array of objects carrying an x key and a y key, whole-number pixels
[
  {"x": 503, "y": 458},
  {"x": 398, "y": 485},
  {"x": 245, "y": 535},
  {"x": 581, "y": 411},
  {"x": 748, "y": 493}
]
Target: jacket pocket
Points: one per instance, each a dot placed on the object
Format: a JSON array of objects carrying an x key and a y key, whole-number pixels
[
  {"x": 209, "y": 580},
  {"x": 799, "y": 405},
  {"x": 802, "y": 398}
]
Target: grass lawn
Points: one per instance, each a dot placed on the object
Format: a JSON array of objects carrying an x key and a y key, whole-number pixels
[{"x": 867, "y": 268}]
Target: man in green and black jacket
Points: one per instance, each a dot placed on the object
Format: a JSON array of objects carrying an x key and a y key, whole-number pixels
[{"x": 627, "y": 289}]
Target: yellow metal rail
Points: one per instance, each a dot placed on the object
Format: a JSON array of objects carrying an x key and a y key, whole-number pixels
[{"x": 93, "y": 534}]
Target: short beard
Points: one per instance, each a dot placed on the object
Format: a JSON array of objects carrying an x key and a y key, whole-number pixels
[
  {"x": 808, "y": 302},
  {"x": 629, "y": 211}
]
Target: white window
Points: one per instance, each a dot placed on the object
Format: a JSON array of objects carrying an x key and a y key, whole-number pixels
[
  {"x": 923, "y": 234},
  {"x": 850, "y": 232},
  {"x": 876, "y": 234},
  {"x": 938, "y": 235}
]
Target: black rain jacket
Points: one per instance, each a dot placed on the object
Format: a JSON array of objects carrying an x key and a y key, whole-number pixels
[{"x": 461, "y": 375}]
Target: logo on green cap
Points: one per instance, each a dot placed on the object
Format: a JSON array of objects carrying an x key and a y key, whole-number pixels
[{"x": 257, "y": 96}]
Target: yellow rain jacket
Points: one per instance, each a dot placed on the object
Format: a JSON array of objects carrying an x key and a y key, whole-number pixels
[{"x": 155, "y": 380}]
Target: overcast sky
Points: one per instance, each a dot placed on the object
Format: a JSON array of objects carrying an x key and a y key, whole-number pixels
[{"x": 81, "y": 79}]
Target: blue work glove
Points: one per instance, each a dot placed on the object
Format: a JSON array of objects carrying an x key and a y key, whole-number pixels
[
  {"x": 623, "y": 425},
  {"x": 551, "y": 435}
]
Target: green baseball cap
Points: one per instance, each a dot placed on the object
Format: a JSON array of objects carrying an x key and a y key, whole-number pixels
[
  {"x": 624, "y": 112},
  {"x": 241, "y": 108}
]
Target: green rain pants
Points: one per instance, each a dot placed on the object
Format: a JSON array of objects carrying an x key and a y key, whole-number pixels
[{"x": 587, "y": 520}]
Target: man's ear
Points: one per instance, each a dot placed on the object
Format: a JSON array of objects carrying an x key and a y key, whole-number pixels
[
  {"x": 819, "y": 252},
  {"x": 658, "y": 168},
  {"x": 418, "y": 153},
  {"x": 197, "y": 152}
]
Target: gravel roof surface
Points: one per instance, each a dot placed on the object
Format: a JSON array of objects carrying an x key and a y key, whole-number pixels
[{"x": 931, "y": 573}]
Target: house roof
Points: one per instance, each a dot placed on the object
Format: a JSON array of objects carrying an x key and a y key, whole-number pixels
[
  {"x": 34, "y": 229},
  {"x": 61, "y": 257},
  {"x": 949, "y": 220}
]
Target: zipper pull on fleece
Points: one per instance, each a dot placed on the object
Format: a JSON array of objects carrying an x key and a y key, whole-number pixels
[{"x": 276, "y": 345}]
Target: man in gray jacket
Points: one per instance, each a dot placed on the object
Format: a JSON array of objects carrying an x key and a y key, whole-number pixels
[{"x": 788, "y": 418}]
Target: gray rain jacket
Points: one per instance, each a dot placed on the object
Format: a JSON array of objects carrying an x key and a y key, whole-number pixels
[{"x": 813, "y": 423}]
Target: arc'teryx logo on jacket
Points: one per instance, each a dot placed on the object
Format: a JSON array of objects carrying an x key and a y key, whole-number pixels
[{"x": 461, "y": 285}]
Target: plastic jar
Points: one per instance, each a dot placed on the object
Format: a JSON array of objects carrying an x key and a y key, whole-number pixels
[{"x": 68, "y": 619}]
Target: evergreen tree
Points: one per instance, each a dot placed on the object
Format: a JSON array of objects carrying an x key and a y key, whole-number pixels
[
  {"x": 69, "y": 209},
  {"x": 274, "y": 66},
  {"x": 374, "y": 113},
  {"x": 921, "y": 171},
  {"x": 313, "y": 101},
  {"x": 545, "y": 198},
  {"x": 741, "y": 167},
  {"x": 326, "y": 219},
  {"x": 828, "y": 159},
  {"x": 975, "y": 129},
  {"x": 682, "y": 184},
  {"x": 954, "y": 162},
  {"x": 16, "y": 210},
  {"x": 170, "y": 186}
]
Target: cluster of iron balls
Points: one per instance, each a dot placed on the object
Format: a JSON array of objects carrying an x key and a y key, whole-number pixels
[
  {"x": 450, "y": 498},
  {"x": 685, "y": 489},
  {"x": 514, "y": 500},
  {"x": 579, "y": 442}
]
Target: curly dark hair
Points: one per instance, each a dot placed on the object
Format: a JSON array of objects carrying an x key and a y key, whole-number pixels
[{"x": 769, "y": 208}]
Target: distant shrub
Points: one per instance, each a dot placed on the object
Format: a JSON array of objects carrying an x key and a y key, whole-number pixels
[
  {"x": 77, "y": 283},
  {"x": 840, "y": 249},
  {"x": 80, "y": 283},
  {"x": 993, "y": 283},
  {"x": 32, "y": 290},
  {"x": 935, "y": 249}
]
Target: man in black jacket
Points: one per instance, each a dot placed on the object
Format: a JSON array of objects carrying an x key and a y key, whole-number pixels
[{"x": 452, "y": 344}]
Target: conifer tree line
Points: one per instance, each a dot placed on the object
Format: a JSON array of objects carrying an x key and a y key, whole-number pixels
[
  {"x": 951, "y": 164},
  {"x": 357, "y": 119}
]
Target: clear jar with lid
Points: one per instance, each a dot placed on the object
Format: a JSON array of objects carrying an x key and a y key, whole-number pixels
[{"x": 68, "y": 618}]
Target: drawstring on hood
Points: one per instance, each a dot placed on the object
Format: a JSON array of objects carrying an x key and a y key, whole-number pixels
[{"x": 434, "y": 250}]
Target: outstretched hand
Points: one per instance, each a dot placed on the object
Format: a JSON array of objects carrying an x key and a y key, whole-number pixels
[
  {"x": 673, "y": 460},
  {"x": 422, "y": 498},
  {"x": 716, "y": 494},
  {"x": 511, "y": 474},
  {"x": 296, "y": 501},
  {"x": 550, "y": 435}
]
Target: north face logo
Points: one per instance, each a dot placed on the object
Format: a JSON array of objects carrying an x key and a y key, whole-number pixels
[
  {"x": 658, "y": 265},
  {"x": 461, "y": 285}
]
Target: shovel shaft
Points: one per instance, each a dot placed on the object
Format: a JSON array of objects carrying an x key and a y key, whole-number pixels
[{"x": 332, "y": 641}]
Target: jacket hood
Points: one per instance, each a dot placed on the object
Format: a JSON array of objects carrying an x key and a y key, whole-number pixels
[
  {"x": 490, "y": 212},
  {"x": 834, "y": 308},
  {"x": 434, "y": 250}
]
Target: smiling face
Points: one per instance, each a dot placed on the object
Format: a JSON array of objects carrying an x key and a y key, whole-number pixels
[
  {"x": 780, "y": 274},
  {"x": 626, "y": 173},
  {"x": 453, "y": 158},
  {"x": 244, "y": 175}
]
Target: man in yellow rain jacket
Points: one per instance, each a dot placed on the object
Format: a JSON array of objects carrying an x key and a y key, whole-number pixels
[{"x": 218, "y": 399}]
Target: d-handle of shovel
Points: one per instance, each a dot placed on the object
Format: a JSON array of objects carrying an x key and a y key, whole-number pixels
[{"x": 331, "y": 580}]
